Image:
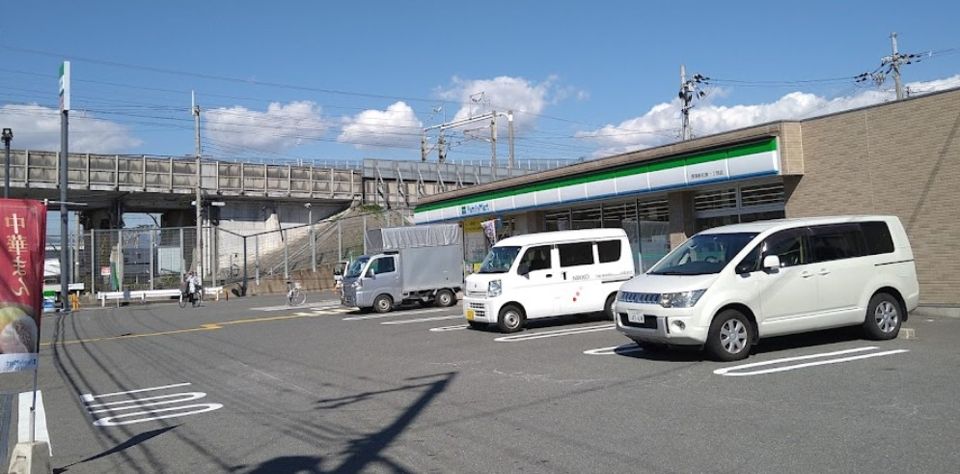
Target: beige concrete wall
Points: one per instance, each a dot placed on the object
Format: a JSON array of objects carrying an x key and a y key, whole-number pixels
[{"x": 901, "y": 159}]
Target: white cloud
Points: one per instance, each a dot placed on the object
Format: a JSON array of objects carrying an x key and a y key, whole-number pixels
[
  {"x": 503, "y": 93},
  {"x": 280, "y": 126},
  {"x": 36, "y": 127},
  {"x": 661, "y": 124},
  {"x": 396, "y": 126}
]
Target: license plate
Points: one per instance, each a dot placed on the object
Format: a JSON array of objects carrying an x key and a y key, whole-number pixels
[
  {"x": 470, "y": 314},
  {"x": 636, "y": 318}
]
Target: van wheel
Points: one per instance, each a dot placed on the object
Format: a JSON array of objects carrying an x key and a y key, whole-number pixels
[
  {"x": 730, "y": 336},
  {"x": 383, "y": 304},
  {"x": 510, "y": 319},
  {"x": 608, "y": 307},
  {"x": 445, "y": 298},
  {"x": 884, "y": 316}
]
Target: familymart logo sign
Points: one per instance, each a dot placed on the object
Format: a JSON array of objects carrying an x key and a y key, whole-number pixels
[{"x": 476, "y": 208}]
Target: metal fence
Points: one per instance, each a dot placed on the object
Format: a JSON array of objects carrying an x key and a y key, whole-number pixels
[{"x": 158, "y": 258}]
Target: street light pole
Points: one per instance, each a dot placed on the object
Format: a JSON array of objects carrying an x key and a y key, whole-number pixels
[
  {"x": 195, "y": 109},
  {"x": 313, "y": 239},
  {"x": 7, "y": 136}
]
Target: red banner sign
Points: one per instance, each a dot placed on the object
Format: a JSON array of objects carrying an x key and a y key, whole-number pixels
[{"x": 23, "y": 230}]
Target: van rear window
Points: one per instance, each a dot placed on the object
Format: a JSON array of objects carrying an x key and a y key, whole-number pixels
[
  {"x": 608, "y": 251},
  {"x": 878, "y": 237}
]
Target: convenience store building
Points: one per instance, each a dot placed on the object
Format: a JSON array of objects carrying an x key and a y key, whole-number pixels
[{"x": 899, "y": 158}]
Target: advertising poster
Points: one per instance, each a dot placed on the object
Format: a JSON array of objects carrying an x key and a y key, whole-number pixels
[{"x": 23, "y": 229}]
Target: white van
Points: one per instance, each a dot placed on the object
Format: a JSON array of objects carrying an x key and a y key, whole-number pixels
[
  {"x": 548, "y": 274},
  {"x": 727, "y": 287}
]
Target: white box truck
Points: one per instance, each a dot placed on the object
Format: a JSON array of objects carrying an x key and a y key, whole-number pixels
[{"x": 406, "y": 264}]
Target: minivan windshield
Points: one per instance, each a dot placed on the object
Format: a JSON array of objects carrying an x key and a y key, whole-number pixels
[
  {"x": 356, "y": 267},
  {"x": 703, "y": 254},
  {"x": 499, "y": 259}
]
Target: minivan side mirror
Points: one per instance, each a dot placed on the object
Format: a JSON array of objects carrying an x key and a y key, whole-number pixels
[
  {"x": 369, "y": 273},
  {"x": 771, "y": 263}
]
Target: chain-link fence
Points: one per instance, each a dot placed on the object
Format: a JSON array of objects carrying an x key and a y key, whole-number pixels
[{"x": 153, "y": 258}]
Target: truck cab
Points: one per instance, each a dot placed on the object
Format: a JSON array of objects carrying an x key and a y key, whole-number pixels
[{"x": 369, "y": 277}]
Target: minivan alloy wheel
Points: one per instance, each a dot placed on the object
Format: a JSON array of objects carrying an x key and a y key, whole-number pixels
[
  {"x": 887, "y": 316},
  {"x": 733, "y": 336}
]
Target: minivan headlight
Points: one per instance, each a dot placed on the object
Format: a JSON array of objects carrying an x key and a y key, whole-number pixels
[
  {"x": 683, "y": 299},
  {"x": 494, "y": 289}
]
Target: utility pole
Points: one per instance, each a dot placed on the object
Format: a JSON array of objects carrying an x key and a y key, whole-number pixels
[
  {"x": 510, "y": 131},
  {"x": 441, "y": 148},
  {"x": 689, "y": 89},
  {"x": 892, "y": 64},
  {"x": 195, "y": 109},
  {"x": 895, "y": 61},
  {"x": 686, "y": 95},
  {"x": 64, "y": 184},
  {"x": 7, "y": 137}
]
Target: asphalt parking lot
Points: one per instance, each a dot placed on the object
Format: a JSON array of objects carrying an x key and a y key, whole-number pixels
[{"x": 253, "y": 386}]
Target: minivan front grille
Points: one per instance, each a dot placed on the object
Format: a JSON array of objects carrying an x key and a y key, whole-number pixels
[{"x": 639, "y": 298}]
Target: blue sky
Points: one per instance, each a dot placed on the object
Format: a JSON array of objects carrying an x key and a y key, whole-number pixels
[{"x": 349, "y": 80}]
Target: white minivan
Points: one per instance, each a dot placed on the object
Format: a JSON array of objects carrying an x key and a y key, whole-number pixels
[
  {"x": 727, "y": 287},
  {"x": 548, "y": 274}
]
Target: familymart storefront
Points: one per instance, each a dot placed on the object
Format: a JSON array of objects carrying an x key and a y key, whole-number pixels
[{"x": 658, "y": 201}]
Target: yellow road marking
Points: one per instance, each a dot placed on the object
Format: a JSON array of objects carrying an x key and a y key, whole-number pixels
[{"x": 203, "y": 327}]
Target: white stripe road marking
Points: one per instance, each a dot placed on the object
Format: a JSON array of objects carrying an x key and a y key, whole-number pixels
[
  {"x": 394, "y": 315},
  {"x": 40, "y": 420},
  {"x": 319, "y": 312},
  {"x": 449, "y": 328},
  {"x": 621, "y": 349},
  {"x": 557, "y": 333},
  {"x": 89, "y": 397},
  {"x": 730, "y": 371},
  {"x": 421, "y": 320},
  {"x": 281, "y": 307}
]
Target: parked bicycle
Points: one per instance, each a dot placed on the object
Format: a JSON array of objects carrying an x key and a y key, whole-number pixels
[{"x": 295, "y": 294}]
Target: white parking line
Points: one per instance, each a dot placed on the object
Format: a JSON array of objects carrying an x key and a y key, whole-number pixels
[
  {"x": 449, "y": 328},
  {"x": 735, "y": 370},
  {"x": 40, "y": 420},
  {"x": 421, "y": 320},
  {"x": 621, "y": 349},
  {"x": 393, "y": 315},
  {"x": 557, "y": 333}
]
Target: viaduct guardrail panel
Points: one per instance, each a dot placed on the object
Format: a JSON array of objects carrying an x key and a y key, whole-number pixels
[{"x": 41, "y": 169}]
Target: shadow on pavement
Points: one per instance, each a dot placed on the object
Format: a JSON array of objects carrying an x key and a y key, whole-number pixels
[{"x": 140, "y": 438}]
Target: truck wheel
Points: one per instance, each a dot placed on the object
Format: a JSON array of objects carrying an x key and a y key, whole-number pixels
[
  {"x": 383, "y": 304},
  {"x": 445, "y": 298},
  {"x": 510, "y": 319}
]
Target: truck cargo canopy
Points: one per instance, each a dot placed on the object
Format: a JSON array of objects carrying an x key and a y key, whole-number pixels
[{"x": 397, "y": 238}]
